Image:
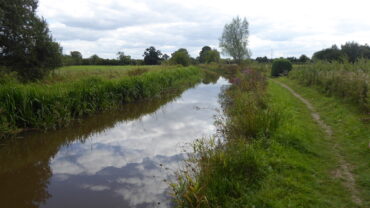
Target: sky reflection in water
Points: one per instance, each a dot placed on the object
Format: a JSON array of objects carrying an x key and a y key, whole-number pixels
[
  {"x": 111, "y": 160},
  {"x": 121, "y": 166}
]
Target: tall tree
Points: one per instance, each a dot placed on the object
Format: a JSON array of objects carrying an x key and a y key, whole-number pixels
[
  {"x": 234, "y": 39},
  {"x": 203, "y": 54},
  {"x": 26, "y": 45},
  {"x": 152, "y": 56}
]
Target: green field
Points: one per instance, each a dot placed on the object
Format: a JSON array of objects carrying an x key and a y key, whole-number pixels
[{"x": 72, "y": 73}]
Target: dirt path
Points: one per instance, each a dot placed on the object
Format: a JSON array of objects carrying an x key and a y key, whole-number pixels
[{"x": 343, "y": 171}]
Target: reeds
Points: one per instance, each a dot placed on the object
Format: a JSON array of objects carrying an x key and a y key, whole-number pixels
[
  {"x": 228, "y": 167},
  {"x": 344, "y": 80},
  {"x": 41, "y": 106}
]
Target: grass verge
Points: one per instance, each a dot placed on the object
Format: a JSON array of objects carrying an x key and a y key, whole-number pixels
[
  {"x": 351, "y": 130},
  {"x": 284, "y": 161}
]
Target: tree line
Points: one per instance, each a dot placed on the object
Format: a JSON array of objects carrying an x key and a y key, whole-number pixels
[
  {"x": 350, "y": 51},
  {"x": 151, "y": 56}
]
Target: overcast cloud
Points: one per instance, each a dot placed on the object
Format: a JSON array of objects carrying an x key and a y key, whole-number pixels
[{"x": 280, "y": 28}]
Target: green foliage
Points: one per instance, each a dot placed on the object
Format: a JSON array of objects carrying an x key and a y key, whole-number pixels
[
  {"x": 355, "y": 51},
  {"x": 181, "y": 56},
  {"x": 203, "y": 54},
  {"x": 50, "y": 106},
  {"x": 26, "y": 45},
  {"x": 345, "y": 80},
  {"x": 208, "y": 55},
  {"x": 351, "y": 132},
  {"x": 234, "y": 39},
  {"x": 123, "y": 59},
  {"x": 76, "y": 57},
  {"x": 152, "y": 56},
  {"x": 280, "y": 66},
  {"x": 303, "y": 59},
  {"x": 281, "y": 168},
  {"x": 351, "y": 51}
]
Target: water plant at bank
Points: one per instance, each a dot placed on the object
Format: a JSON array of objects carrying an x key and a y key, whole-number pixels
[{"x": 41, "y": 106}]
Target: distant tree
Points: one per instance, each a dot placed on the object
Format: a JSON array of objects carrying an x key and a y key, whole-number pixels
[
  {"x": 152, "y": 56},
  {"x": 165, "y": 57},
  {"x": 303, "y": 59},
  {"x": 329, "y": 54},
  {"x": 76, "y": 57},
  {"x": 212, "y": 56},
  {"x": 181, "y": 56},
  {"x": 123, "y": 59},
  {"x": 234, "y": 39},
  {"x": 203, "y": 54},
  {"x": 352, "y": 50},
  {"x": 262, "y": 59},
  {"x": 26, "y": 45},
  {"x": 292, "y": 59},
  {"x": 94, "y": 60}
]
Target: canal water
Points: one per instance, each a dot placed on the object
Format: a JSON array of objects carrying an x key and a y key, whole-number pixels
[{"x": 122, "y": 158}]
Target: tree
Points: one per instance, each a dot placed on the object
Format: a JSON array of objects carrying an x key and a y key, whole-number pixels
[
  {"x": 234, "y": 39},
  {"x": 152, "y": 56},
  {"x": 303, "y": 59},
  {"x": 262, "y": 59},
  {"x": 181, "y": 56},
  {"x": 94, "y": 60},
  {"x": 203, "y": 54},
  {"x": 352, "y": 51},
  {"x": 26, "y": 45},
  {"x": 212, "y": 56},
  {"x": 329, "y": 54},
  {"x": 165, "y": 57},
  {"x": 123, "y": 59},
  {"x": 76, "y": 57}
]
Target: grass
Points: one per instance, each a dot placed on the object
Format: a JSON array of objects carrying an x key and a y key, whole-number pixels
[
  {"x": 49, "y": 106},
  {"x": 351, "y": 131},
  {"x": 285, "y": 161},
  {"x": 73, "y": 73}
]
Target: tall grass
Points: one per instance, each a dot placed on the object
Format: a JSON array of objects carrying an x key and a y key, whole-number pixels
[
  {"x": 348, "y": 81},
  {"x": 41, "y": 106},
  {"x": 268, "y": 153},
  {"x": 226, "y": 168}
]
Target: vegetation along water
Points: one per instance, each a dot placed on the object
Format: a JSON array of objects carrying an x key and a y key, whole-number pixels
[{"x": 85, "y": 124}]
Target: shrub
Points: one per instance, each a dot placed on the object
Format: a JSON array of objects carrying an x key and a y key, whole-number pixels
[{"x": 280, "y": 66}]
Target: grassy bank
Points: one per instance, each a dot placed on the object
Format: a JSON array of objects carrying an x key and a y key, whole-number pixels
[
  {"x": 351, "y": 130},
  {"x": 45, "y": 106},
  {"x": 347, "y": 81},
  {"x": 272, "y": 154}
]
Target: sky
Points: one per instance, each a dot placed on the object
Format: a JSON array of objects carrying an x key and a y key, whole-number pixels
[{"x": 277, "y": 28}]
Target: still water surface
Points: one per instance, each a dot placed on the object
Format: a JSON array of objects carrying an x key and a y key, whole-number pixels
[{"x": 115, "y": 159}]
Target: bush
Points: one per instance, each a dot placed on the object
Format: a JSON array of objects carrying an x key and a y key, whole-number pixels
[{"x": 280, "y": 67}]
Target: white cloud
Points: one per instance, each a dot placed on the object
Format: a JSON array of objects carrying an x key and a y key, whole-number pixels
[{"x": 287, "y": 27}]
